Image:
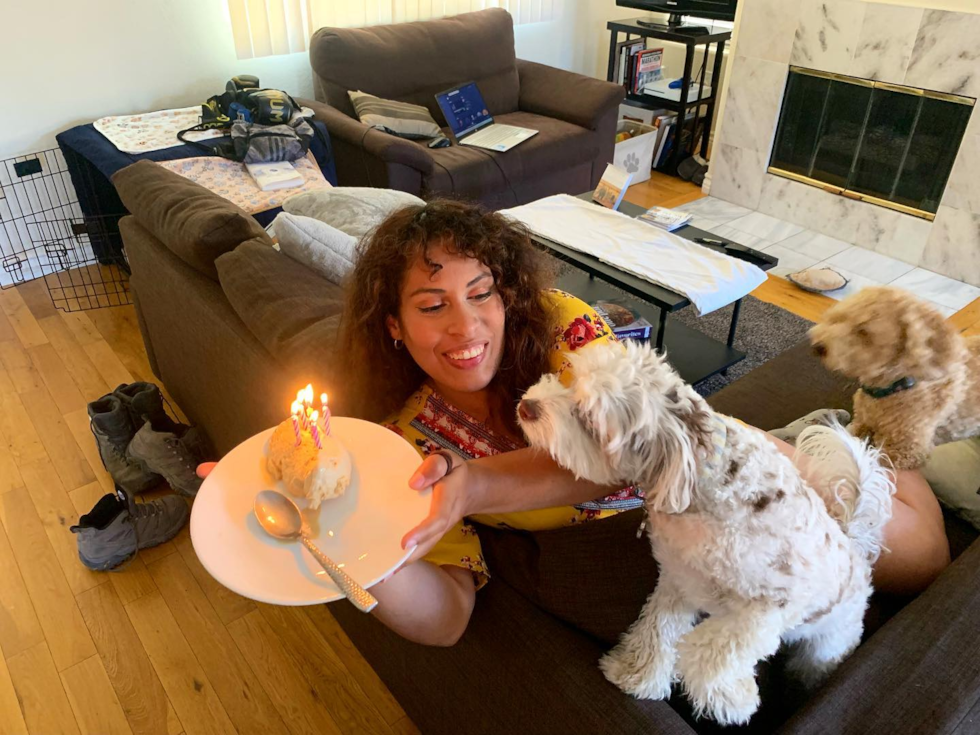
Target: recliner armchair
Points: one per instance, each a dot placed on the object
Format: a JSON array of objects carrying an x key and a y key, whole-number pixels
[{"x": 412, "y": 62}]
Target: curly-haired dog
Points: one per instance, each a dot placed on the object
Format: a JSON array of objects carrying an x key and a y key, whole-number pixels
[
  {"x": 735, "y": 529},
  {"x": 920, "y": 380}
]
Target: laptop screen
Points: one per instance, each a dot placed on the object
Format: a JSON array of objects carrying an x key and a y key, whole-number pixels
[{"x": 464, "y": 109}]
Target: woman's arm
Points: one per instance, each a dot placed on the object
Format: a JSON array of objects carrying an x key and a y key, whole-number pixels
[{"x": 524, "y": 479}]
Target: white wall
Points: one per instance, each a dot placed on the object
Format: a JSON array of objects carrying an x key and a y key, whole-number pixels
[{"x": 65, "y": 62}]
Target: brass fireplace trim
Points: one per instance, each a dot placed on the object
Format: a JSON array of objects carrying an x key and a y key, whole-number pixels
[
  {"x": 902, "y": 89},
  {"x": 850, "y": 194}
]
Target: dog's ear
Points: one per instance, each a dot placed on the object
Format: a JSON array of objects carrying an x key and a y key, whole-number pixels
[
  {"x": 671, "y": 479},
  {"x": 928, "y": 345}
]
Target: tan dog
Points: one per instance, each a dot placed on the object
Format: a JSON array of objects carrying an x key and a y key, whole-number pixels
[{"x": 920, "y": 380}]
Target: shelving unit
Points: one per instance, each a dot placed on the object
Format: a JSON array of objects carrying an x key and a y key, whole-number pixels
[{"x": 718, "y": 38}]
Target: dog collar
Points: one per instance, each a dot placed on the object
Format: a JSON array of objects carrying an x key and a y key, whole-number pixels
[{"x": 897, "y": 387}]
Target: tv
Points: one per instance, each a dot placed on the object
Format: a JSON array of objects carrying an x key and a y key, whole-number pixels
[{"x": 677, "y": 9}]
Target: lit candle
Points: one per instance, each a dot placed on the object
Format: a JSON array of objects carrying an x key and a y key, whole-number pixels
[
  {"x": 326, "y": 413},
  {"x": 299, "y": 437},
  {"x": 315, "y": 429},
  {"x": 298, "y": 410}
]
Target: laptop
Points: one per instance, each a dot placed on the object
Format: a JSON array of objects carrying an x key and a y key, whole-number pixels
[{"x": 472, "y": 123}]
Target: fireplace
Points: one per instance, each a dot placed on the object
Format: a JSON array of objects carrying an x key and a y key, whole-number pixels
[{"x": 887, "y": 144}]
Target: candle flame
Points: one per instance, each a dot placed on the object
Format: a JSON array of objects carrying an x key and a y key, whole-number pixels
[
  {"x": 308, "y": 393},
  {"x": 315, "y": 416},
  {"x": 323, "y": 398}
]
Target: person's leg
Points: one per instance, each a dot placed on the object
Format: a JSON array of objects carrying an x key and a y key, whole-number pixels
[
  {"x": 426, "y": 603},
  {"x": 915, "y": 536}
]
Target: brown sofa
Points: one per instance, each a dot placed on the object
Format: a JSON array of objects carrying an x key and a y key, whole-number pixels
[
  {"x": 576, "y": 115},
  {"x": 233, "y": 327}
]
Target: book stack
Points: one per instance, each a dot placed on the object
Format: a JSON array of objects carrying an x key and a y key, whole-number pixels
[
  {"x": 637, "y": 66},
  {"x": 623, "y": 319},
  {"x": 665, "y": 219},
  {"x": 275, "y": 176}
]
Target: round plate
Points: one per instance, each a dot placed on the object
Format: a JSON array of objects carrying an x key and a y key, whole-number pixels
[{"x": 361, "y": 530}]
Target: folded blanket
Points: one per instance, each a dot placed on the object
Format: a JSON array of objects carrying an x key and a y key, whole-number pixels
[
  {"x": 230, "y": 180},
  {"x": 152, "y": 131},
  {"x": 708, "y": 278}
]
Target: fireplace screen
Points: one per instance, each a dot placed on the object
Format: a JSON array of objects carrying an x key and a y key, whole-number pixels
[{"x": 882, "y": 143}]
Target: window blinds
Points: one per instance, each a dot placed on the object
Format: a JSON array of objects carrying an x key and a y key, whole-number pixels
[{"x": 275, "y": 27}]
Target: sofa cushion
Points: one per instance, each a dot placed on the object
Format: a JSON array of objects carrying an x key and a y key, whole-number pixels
[
  {"x": 558, "y": 146},
  {"x": 352, "y": 209},
  {"x": 194, "y": 223},
  {"x": 292, "y": 311},
  {"x": 412, "y": 62}
]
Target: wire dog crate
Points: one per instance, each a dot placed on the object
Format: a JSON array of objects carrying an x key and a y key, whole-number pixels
[{"x": 45, "y": 234}]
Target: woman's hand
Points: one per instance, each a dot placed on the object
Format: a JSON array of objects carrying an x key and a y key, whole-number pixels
[
  {"x": 204, "y": 469},
  {"x": 450, "y": 495}
]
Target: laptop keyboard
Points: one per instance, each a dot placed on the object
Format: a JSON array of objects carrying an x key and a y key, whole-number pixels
[{"x": 493, "y": 135}]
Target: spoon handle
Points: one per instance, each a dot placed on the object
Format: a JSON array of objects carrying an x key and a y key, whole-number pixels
[{"x": 359, "y": 597}]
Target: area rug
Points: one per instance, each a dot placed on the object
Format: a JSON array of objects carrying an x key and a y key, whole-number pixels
[{"x": 764, "y": 332}]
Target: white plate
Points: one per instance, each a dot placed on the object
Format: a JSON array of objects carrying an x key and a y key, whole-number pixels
[{"x": 361, "y": 530}]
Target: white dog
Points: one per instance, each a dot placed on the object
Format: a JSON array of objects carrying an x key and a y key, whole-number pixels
[{"x": 738, "y": 533}]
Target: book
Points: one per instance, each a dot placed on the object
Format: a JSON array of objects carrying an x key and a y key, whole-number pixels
[
  {"x": 665, "y": 219},
  {"x": 667, "y": 127},
  {"x": 624, "y": 50},
  {"x": 612, "y": 187},
  {"x": 649, "y": 69},
  {"x": 623, "y": 319},
  {"x": 275, "y": 176}
]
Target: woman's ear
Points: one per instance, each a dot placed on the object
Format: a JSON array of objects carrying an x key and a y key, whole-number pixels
[{"x": 393, "y": 327}]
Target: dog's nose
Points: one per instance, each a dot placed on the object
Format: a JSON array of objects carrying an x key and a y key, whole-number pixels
[
  {"x": 819, "y": 350},
  {"x": 527, "y": 409}
]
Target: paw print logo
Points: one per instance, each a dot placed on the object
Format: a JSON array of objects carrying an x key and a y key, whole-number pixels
[{"x": 632, "y": 163}]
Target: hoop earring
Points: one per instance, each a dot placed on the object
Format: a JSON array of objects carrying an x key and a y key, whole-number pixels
[{"x": 398, "y": 344}]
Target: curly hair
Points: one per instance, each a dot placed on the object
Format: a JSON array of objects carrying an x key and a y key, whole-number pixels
[{"x": 380, "y": 378}]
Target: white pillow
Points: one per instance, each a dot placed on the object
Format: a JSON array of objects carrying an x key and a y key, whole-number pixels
[
  {"x": 355, "y": 210},
  {"x": 316, "y": 245},
  {"x": 953, "y": 472}
]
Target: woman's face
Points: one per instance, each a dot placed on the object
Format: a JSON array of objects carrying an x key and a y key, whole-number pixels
[{"x": 452, "y": 321}]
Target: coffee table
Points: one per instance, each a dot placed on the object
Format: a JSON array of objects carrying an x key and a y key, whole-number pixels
[{"x": 693, "y": 354}]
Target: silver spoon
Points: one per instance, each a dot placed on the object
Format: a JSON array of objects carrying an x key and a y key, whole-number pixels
[{"x": 280, "y": 517}]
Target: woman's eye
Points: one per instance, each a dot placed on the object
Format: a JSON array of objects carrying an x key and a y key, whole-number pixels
[
  {"x": 483, "y": 296},
  {"x": 430, "y": 309}
]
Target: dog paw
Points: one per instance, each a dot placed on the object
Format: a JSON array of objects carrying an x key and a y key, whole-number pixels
[
  {"x": 725, "y": 702},
  {"x": 640, "y": 676}
]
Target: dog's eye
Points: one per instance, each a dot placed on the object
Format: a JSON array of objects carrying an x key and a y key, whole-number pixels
[{"x": 863, "y": 334}]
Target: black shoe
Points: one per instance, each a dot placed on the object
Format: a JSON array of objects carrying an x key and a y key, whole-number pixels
[{"x": 112, "y": 426}]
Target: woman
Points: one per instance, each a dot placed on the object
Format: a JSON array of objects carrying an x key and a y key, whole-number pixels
[{"x": 448, "y": 322}]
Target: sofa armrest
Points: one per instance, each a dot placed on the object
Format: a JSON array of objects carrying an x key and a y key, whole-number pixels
[
  {"x": 377, "y": 143},
  {"x": 567, "y": 96},
  {"x": 918, "y": 673}
]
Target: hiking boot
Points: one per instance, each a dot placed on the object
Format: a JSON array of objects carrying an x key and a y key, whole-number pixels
[
  {"x": 145, "y": 403},
  {"x": 175, "y": 454},
  {"x": 113, "y": 428},
  {"x": 117, "y": 527}
]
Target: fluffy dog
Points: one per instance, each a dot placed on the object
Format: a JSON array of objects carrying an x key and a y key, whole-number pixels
[
  {"x": 735, "y": 529},
  {"x": 920, "y": 380}
]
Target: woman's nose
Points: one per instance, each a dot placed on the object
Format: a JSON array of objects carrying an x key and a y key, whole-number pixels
[{"x": 464, "y": 322}]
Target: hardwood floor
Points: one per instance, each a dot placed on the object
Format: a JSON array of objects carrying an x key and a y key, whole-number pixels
[{"x": 161, "y": 648}]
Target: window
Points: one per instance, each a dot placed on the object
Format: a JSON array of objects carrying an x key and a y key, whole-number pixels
[
  {"x": 883, "y": 143},
  {"x": 274, "y": 27}
]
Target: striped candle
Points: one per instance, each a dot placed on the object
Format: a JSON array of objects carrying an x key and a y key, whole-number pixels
[
  {"x": 326, "y": 413},
  {"x": 296, "y": 430},
  {"x": 315, "y": 429}
]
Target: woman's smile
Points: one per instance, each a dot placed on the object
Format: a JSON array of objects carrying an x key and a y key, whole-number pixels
[{"x": 467, "y": 357}]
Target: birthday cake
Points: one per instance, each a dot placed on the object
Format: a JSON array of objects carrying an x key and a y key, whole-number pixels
[{"x": 309, "y": 460}]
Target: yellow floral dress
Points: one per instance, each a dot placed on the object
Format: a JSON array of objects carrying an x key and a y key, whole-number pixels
[{"x": 429, "y": 423}]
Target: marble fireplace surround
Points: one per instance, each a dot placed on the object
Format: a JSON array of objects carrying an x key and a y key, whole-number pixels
[{"x": 931, "y": 49}]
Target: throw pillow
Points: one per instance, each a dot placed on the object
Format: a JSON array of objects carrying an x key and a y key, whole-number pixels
[
  {"x": 953, "y": 472},
  {"x": 351, "y": 209},
  {"x": 398, "y": 118},
  {"x": 316, "y": 245}
]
